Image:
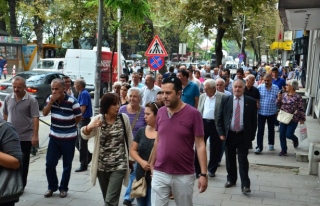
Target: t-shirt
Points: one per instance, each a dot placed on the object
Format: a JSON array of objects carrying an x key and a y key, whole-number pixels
[
  {"x": 149, "y": 95},
  {"x": 252, "y": 92},
  {"x": 189, "y": 93},
  {"x": 2, "y": 63},
  {"x": 85, "y": 99},
  {"x": 144, "y": 150},
  {"x": 21, "y": 114},
  {"x": 139, "y": 123},
  {"x": 280, "y": 82},
  {"x": 63, "y": 123},
  {"x": 175, "y": 153}
]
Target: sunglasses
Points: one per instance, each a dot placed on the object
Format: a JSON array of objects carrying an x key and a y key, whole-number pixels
[{"x": 154, "y": 103}]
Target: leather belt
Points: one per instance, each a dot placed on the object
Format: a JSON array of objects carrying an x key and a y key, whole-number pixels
[{"x": 208, "y": 120}]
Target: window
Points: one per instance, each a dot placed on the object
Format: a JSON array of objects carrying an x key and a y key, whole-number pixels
[
  {"x": 11, "y": 52},
  {"x": 3, "y": 51}
]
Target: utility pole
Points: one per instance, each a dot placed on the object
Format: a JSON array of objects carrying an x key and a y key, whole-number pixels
[
  {"x": 98, "y": 63},
  {"x": 119, "y": 46}
]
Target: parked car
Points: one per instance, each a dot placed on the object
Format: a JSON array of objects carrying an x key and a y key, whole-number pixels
[{"x": 38, "y": 84}]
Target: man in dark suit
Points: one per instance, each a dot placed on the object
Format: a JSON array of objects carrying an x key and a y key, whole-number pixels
[
  {"x": 237, "y": 125},
  {"x": 209, "y": 105}
]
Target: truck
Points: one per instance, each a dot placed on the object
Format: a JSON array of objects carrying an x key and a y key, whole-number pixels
[
  {"x": 50, "y": 65},
  {"x": 81, "y": 63}
]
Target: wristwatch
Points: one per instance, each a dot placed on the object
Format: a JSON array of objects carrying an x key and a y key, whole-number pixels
[{"x": 203, "y": 175}]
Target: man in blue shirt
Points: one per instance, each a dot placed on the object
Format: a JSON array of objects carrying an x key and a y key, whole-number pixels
[
  {"x": 280, "y": 82},
  {"x": 190, "y": 91},
  {"x": 267, "y": 112},
  {"x": 3, "y": 64},
  {"x": 84, "y": 100}
]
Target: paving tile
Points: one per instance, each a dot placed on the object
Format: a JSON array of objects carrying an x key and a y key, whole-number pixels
[
  {"x": 272, "y": 201},
  {"x": 263, "y": 194},
  {"x": 233, "y": 203},
  {"x": 309, "y": 200},
  {"x": 275, "y": 189},
  {"x": 206, "y": 201},
  {"x": 286, "y": 196},
  {"x": 246, "y": 198}
]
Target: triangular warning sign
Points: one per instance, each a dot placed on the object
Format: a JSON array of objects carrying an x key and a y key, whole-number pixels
[{"x": 156, "y": 48}]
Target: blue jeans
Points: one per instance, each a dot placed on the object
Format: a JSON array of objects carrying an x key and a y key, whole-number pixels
[
  {"x": 287, "y": 131},
  {"x": 261, "y": 123},
  {"x": 56, "y": 149},
  {"x": 146, "y": 201},
  {"x": 132, "y": 177}
]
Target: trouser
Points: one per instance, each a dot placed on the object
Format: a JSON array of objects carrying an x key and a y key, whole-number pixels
[
  {"x": 287, "y": 131},
  {"x": 132, "y": 177},
  {"x": 110, "y": 185},
  {"x": 261, "y": 124},
  {"x": 235, "y": 142},
  {"x": 26, "y": 150},
  {"x": 210, "y": 132},
  {"x": 82, "y": 145},
  {"x": 180, "y": 185},
  {"x": 12, "y": 203},
  {"x": 56, "y": 149},
  {"x": 146, "y": 201}
]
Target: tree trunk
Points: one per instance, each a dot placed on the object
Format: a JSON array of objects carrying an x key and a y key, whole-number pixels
[
  {"x": 3, "y": 25},
  {"x": 13, "y": 19},
  {"x": 147, "y": 30},
  {"x": 38, "y": 30},
  {"x": 218, "y": 46}
]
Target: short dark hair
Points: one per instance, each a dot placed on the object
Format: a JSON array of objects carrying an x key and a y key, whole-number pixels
[
  {"x": 128, "y": 86},
  {"x": 125, "y": 76},
  {"x": 155, "y": 106},
  {"x": 224, "y": 77},
  {"x": 240, "y": 70},
  {"x": 107, "y": 100},
  {"x": 274, "y": 69},
  {"x": 177, "y": 84},
  {"x": 227, "y": 70},
  {"x": 184, "y": 73},
  {"x": 171, "y": 69}
]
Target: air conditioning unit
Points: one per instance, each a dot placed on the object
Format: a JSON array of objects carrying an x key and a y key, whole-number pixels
[{"x": 314, "y": 158}]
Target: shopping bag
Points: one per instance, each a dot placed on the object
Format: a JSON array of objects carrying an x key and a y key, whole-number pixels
[{"x": 303, "y": 132}]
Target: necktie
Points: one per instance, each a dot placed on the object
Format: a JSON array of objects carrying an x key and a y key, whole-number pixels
[{"x": 237, "y": 117}]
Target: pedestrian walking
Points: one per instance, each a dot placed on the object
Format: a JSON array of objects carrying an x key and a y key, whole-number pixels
[{"x": 3, "y": 67}]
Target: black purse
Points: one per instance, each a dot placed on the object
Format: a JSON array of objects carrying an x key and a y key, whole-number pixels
[{"x": 11, "y": 185}]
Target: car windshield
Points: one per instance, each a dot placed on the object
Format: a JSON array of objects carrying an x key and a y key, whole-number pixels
[
  {"x": 45, "y": 64},
  {"x": 32, "y": 78}
]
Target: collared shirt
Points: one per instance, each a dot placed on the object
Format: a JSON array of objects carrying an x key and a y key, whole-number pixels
[
  {"x": 235, "y": 102},
  {"x": 140, "y": 85},
  {"x": 280, "y": 82},
  {"x": 227, "y": 93},
  {"x": 252, "y": 92},
  {"x": 21, "y": 114},
  {"x": 149, "y": 95},
  {"x": 189, "y": 92},
  {"x": 209, "y": 107},
  {"x": 229, "y": 87},
  {"x": 268, "y": 100},
  {"x": 84, "y": 99}
]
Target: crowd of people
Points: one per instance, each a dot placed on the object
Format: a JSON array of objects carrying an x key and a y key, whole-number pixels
[{"x": 133, "y": 136}]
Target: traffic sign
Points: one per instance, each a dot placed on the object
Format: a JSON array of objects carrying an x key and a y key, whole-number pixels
[
  {"x": 155, "y": 62},
  {"x": 156, "y": 48}
]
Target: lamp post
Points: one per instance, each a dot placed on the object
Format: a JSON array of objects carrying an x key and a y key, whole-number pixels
[{"x": 242, "y": 36}]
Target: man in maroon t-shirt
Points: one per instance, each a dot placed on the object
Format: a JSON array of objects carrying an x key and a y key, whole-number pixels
[{"x": 179, "y": 127}]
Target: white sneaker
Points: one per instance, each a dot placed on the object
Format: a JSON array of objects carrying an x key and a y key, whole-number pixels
[
  {"x": 276, "y": 128},
  {"x": 271, "y": 148}
]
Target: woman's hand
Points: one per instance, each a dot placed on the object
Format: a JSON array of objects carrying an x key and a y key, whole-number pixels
[
  {"x": 301, "y": 122},
  {"x": 145, "y": 165},
  {"x": 94, "y": 124}
]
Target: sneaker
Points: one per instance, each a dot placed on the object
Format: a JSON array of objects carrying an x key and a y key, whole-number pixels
[
  {"x": 276, "y": 128},
  {"x": 283, "y": 153},
  {"x": 271, "y": 148},
  {"x": 258, "y": 151},
  {"x": 295, "y": 143}
]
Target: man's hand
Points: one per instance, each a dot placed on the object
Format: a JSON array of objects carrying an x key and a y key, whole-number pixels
[
  {"x": 202, "y": 184},
  {"x": 54, "y": 97},
  {"x": 222, "y": 137},
  {"x": 35, "y": 140}
]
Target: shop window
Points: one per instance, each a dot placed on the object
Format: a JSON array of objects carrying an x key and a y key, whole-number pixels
[
  {"x": 3, "y": 51},
  {"x": 11, "y": 52}
]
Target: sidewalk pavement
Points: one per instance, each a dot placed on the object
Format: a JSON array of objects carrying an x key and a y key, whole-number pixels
[{"x": 274, "y": 181}]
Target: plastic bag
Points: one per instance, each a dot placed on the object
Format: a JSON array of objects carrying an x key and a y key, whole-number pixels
[{"x": 303, "y": 132}]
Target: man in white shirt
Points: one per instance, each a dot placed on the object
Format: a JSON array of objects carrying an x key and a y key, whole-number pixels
[
  {"x": 193, "y": 79},
  {"x": 215, "y": 74},
  {"x": 209, "y": 106},
  {"x": 150, "y": 91}
]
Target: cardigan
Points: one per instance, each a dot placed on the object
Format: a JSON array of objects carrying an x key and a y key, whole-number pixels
[{"x": 96, "y": 132}]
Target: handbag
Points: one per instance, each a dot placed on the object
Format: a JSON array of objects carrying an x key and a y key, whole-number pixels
[
  {"x": 11, "y": 185},
  {"x": 139, "y": 188},
  {"x": 284, "y": 117}
]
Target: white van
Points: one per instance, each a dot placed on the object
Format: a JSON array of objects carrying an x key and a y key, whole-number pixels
[{"x": 50, "y": 65}]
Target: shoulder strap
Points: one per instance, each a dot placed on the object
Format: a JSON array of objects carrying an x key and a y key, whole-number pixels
[
  {"x": 135, "y": 118},
  {"x": 125, "y": 131}
]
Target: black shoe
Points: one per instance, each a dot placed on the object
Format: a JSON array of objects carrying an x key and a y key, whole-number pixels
[
  {"x": 127, "y": 202},
  {"x": 63, "y": 194},
  {"x": 81, "y": 169},
  {"x": 212, "y": 174},
  {"x": 229, "y": 184},
  {"x": 89, "y": 157},
  {"x": 246, "y": 190}
]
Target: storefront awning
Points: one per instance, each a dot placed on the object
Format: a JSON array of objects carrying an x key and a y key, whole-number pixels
[{"x": 286, "y": 45}]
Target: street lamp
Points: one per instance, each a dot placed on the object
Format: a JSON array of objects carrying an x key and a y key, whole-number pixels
[{"x": 242, "y": 36}]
